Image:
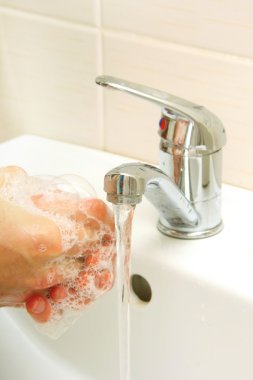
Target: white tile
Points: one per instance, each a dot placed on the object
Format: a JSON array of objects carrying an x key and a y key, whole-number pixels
[
  {"x": 223, "y": 85},
  {"x": 225, "y": 26},
  {"x": 74, "y": 10},
  {"x": 47, "y": 85}
]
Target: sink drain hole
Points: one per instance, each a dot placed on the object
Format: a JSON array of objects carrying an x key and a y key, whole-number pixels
[{"x": 141, "y": 288}]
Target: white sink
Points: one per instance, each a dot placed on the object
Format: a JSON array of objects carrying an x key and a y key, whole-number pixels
[{"x": 198, "y": 324}]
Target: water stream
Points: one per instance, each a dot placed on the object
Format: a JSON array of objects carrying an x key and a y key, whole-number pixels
[{"x": 123, "y": 222}]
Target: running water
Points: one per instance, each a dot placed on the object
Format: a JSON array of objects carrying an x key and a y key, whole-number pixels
[{"x": 123, "y": 222}]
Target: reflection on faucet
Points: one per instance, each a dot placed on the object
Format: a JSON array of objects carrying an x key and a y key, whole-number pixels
[
  {"x": 127, "y": 183},
  {"x": 188, "y": 196},
  {"x": 178, "y": 141}
]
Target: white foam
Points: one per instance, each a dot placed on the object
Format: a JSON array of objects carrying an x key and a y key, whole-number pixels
[{"x": 81, "y": 279}]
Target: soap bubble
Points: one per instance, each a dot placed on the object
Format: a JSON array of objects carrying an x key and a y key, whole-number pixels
[
  {"x": 87, "y": 274},
  {"x": 87, "y": 270},
  {"x": 82, "y": 187}
]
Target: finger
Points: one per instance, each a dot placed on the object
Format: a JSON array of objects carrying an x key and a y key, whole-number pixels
[
  {"x": 61, "y": 203},
  {"x": 97, "y": 209},
  {"x": 92, "y": 215},
  {"x": 103, "y": 279},
  {"x": 33, "y": 236},
  {"x": 58, "y": 293},
  {"x": 47, "y": 278},
  {"x": 39, "y": 308}
]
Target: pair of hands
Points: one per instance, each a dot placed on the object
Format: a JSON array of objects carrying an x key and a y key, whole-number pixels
[{"x": 33, "y": 262}]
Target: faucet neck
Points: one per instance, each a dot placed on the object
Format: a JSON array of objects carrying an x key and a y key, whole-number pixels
[{"x": 178, "y": 217}]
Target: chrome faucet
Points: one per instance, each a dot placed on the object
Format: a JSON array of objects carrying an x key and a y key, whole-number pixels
[{"x": 187, "y": 189}]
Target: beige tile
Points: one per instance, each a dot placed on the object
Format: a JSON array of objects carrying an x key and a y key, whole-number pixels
[
  {"x": 225, "y": 26},
  {"x": 74, "y": 10},
  {"x": 224, "y": 85},
  {"x": 47, "y": 80}
]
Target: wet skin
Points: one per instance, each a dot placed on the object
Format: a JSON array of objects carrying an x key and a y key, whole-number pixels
[{"x": 32, "y": 277}]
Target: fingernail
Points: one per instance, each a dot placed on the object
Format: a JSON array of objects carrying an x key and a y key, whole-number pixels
[
  {"x": 38, "y": 305},
  {"x": 58, "y": 293}
]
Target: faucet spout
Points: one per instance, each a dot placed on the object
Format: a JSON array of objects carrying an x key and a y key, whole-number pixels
[{"x": 127, "y": 183}]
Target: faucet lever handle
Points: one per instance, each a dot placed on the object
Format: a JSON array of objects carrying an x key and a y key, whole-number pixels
[
  {"x": 209, "y": 130},
  {"x": 156, "y": 96}
]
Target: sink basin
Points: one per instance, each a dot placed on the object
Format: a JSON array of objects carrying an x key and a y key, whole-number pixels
[{"x": 197, "y": 324}]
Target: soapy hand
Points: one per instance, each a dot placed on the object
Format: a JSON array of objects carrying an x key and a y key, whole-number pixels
[{"x": 57, "y": 252}]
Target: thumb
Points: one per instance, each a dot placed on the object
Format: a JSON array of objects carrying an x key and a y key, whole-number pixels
[{"x": 35, "y": 237}]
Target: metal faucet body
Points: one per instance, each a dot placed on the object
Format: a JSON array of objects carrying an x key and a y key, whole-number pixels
[{"x": 186, "y": 189}]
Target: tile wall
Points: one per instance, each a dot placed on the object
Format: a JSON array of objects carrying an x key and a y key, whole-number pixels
[{"x": 51, "y": 51}]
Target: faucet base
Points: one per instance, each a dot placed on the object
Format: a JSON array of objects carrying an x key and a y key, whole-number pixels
[{"x": 190, "y": 235}]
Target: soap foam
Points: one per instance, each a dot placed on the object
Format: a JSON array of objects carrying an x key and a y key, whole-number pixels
[{"x": 87, "y": 267}]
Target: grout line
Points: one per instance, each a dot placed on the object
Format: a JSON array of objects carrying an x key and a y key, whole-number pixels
[
  {"x": 98, "y": 13},
  {"x": 149, "y": 40},
  {"x": 118, "y": 33},
  {"x": 78, "y": 25},
  {"x": 100, "y": 70}
]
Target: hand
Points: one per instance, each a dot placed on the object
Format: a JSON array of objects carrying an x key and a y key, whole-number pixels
[{"x": 35, "y": 266}]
